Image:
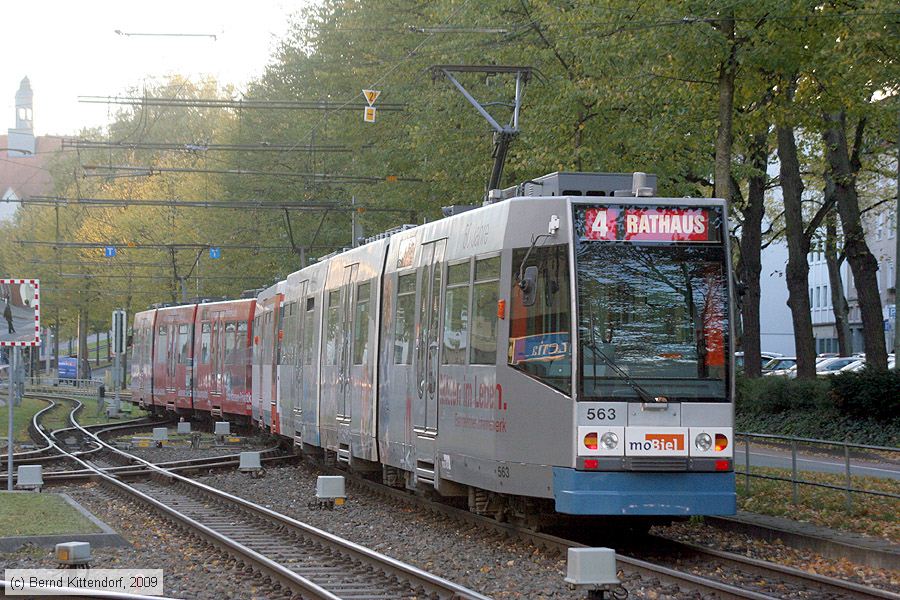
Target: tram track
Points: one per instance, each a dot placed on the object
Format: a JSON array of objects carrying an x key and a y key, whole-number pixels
[
  {"x": 744, "y": 578},
  {"x": 300, "y": 558},
  {"x": 39, "y": 434}
]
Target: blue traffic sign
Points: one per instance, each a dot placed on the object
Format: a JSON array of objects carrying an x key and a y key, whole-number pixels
[
  {"x": 215, "y": 252},
  {"x": 109, "y": 251}
]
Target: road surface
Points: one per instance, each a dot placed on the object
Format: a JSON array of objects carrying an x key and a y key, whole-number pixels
[{"x": 781, "y": 459}]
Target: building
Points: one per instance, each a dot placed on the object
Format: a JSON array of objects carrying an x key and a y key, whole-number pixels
[
  {"x": 23, "y": 171},
  {"x": 880, "y": 227},
  {"x": 776, "y": 327}
]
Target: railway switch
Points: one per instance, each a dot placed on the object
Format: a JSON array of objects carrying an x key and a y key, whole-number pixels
[
  {"x": 594, "y": 571},
  {"x": 73, "y": 553},
  {"x": 29, "y": 477}
]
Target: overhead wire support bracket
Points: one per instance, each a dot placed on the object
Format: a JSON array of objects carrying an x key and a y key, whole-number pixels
[{"x": 503, "y": 134}]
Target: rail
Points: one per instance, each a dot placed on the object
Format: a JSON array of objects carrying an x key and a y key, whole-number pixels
[
  {"x": 795, "y": 480},
  {"x": 431, "y": 585}
]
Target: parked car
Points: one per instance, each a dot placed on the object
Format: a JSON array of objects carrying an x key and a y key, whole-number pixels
[
  {"x": 791, "y": 372},
  {"x": 779, "y": 364},
  {"x": 832, "y": 366},
  {"x": 859, "y": 366},
  {"x": 766, "y": 357}
]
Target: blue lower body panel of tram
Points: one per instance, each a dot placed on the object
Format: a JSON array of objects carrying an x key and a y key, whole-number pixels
[{"x": 641, "y": 493}]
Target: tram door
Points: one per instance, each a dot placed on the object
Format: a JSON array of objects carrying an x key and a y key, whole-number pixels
[
  {"x": 294, "y": 396},
  {"x": 348, "y": 303},
  {"x": 211, "y": 337},
  {"x": 428, "y": 339}
]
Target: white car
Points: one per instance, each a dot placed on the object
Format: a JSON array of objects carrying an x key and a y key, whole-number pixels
[
  {"x": 859, "y": 366},
  {"x": 832, "y": 366}
]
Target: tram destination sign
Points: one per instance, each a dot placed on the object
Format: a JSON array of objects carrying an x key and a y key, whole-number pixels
[
  {"x": 20, "y": 301},
  {"x": 648, "y": 223}
]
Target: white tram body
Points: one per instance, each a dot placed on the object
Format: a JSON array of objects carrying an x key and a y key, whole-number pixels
[{"x": 566, "y": 349}]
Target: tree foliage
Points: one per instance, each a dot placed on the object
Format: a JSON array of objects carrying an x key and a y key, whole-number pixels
[{"x": 688, "y": 90}]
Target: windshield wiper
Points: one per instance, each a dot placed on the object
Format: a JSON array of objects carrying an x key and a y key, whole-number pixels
[{"x": 640, "y": 390}]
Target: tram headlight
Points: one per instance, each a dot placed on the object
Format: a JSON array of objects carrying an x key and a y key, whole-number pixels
[
  {"x": 703, "y": 442},
  {"x": 609, "y": 440}
]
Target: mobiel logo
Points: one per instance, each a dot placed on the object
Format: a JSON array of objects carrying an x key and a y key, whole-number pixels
[{"x": 659, "y": 441}]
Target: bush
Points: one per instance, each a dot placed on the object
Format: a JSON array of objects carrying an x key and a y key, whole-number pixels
[
  {"x": 780, "y": 394},
  {"x": 867, "y": 393},
  {"x": 862, "y": 407}
]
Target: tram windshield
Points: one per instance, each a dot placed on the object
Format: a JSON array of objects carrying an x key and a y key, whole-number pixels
[{"x": 652, "y": 317}]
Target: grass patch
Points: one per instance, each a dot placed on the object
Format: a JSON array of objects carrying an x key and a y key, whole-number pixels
[
  {"x": 40, "y": 514},
  {"x": 870, "y": 515},
  {"x": 22, "y": 416}
]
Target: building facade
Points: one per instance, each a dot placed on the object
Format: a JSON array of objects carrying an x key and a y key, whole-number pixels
[{"x": 880, "y": 226}]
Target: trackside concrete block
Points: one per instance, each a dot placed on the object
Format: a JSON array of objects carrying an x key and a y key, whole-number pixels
[
  {"x": 160, "y": 434},
  {"x": 29, "y": 477},
  {"x": 73, "y": 553},
  {"x": 591, "y": 566},
  {"x": 249, "y": 462}
]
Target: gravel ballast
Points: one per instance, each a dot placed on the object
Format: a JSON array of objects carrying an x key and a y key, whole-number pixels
[{"x": 191, "y": 568}]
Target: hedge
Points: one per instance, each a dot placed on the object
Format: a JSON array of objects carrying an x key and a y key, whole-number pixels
[{"x": 862, "y": 407}]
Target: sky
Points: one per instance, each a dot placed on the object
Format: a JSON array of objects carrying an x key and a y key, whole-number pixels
[{"x": 70, "y": 49}]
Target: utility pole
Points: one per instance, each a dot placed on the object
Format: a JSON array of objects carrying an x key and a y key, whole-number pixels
[
  {"x": 11, "y": 369},
  {"x": 897, "y": 254}
]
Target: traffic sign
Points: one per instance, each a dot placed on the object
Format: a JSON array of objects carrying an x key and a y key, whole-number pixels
[
  {"x": 369, "y": 115},
  {"x": 215, "y": 252},
  {"x": 109, "y": 251},
  {"x": 371, "y": 96}
]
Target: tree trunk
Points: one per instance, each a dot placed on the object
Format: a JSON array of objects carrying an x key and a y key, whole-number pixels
[
  {"x": 751, "y": 259},
  {"x": 838, "y": 300},
  {"x": 797, "y": 272},
  {"x": 842, "y": 170},
  {"x": 726, "y": 110}
]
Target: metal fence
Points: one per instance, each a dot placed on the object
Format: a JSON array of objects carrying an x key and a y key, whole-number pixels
[{"x": 796, "y": 481}]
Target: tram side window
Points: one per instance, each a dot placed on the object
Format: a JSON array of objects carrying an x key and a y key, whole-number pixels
[
  {"x": 279, "y": 335},
  {"x": 361, "y": 324},
  {"x": 309, "y": 331},
  {"x": 184, "y": 345},
  {"x": 205, "y": 333},
  {"x": 287, "y": 327},
  {"x": 539, "y": 335},
  {"x": 257, "y": 340},
  {"x": 266, "y": 339},
  {"x": 333, "y": 328},
  {"x": 405, "y": 319},
  {"x": 485, "y": 294},
  {"x": 232, "y": 343},
  {"x": 456, "y": 314},
  {"x": 162, "y": 345}
]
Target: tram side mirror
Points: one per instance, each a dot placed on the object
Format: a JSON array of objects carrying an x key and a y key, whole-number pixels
[{"x": 528, "y": 285}]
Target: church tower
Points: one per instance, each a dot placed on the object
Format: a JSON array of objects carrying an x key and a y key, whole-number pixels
[
  {"x": 24, "y": 100},
  {"x": 21, "y": 138}
]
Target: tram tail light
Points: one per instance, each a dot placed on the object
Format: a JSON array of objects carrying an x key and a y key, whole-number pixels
[
  {"x": 590, "y": 441},
  {"x": 723, "y": 465},
  {"x": 721, "y": 442},
  {"x": 591, "y": 463}
]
